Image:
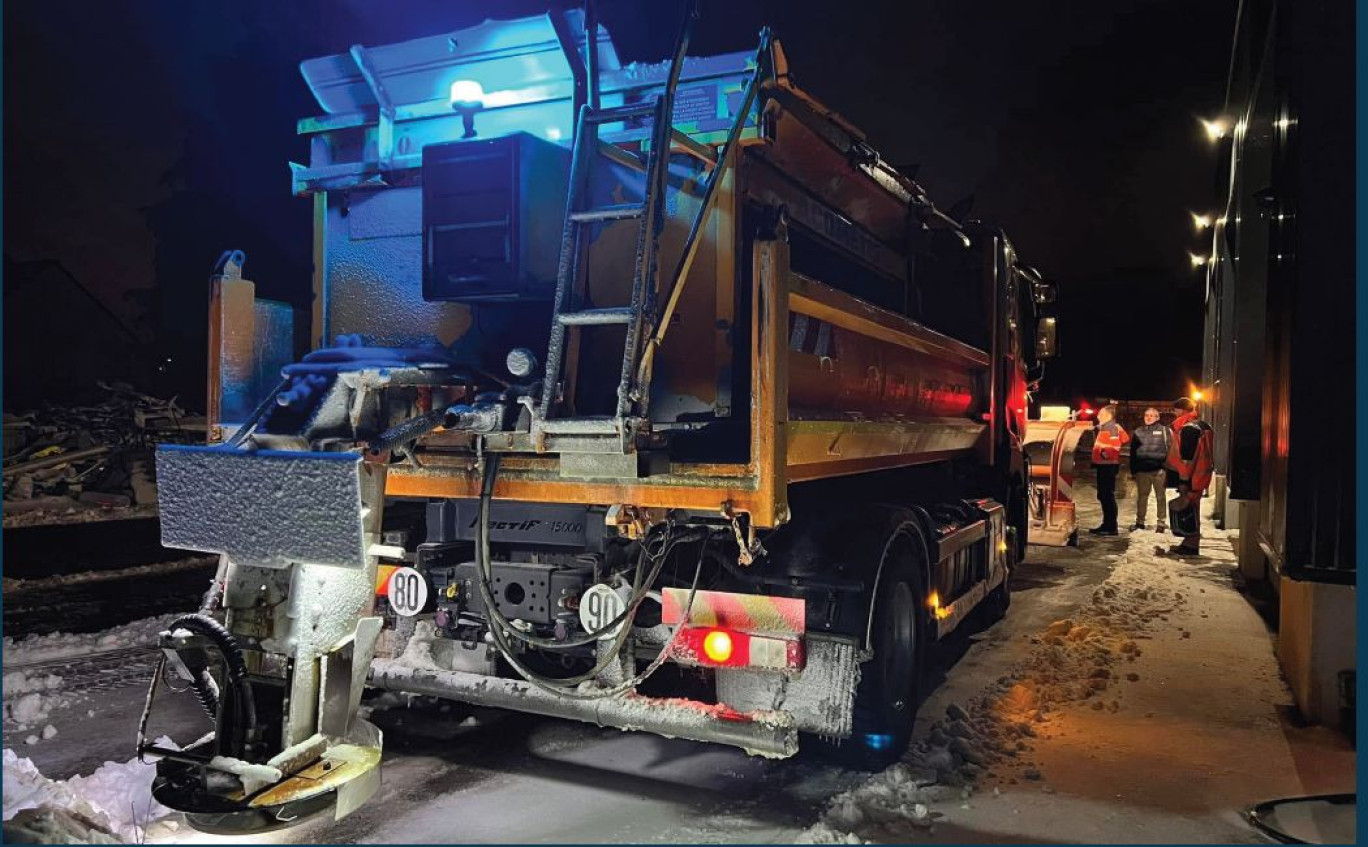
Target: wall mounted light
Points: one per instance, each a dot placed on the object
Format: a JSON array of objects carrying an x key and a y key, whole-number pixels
[{"x": 1217, "y": 129}]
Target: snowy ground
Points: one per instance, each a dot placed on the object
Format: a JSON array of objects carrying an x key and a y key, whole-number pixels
[
  {"x": 89, "y": 685},
  {"x": 99, "y": 577},
  {"x": 1127, "y": 697},
  {"x": 57, "y": 511}
]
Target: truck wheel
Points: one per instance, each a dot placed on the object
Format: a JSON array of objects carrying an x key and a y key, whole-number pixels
[
  {"x": 1000, "y": 600},
  {"x": 1018, "y": 515},
  {"x": 889, "y": 691}
]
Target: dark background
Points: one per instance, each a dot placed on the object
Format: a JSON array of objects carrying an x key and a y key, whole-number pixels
[{"x": 143, "y": 138}]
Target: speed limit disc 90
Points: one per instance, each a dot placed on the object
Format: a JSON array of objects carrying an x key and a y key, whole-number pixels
[{"x": 600, "y": 606}]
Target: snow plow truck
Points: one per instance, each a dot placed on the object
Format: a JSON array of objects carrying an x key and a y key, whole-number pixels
[{"x": 646, "y": 395}]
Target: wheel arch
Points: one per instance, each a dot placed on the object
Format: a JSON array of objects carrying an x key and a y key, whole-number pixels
[{"x": 920, "y": 521}]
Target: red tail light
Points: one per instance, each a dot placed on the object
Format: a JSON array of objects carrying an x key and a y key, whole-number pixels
[
  {"x": 726, "y": 648},
  {"x": 718, "y": 646}
]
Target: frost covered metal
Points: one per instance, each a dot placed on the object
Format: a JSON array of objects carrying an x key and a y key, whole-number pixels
[
  {"x": 763, "y": 732},
  {"x": 820, "y": 699},
  {"x": 267, "y": 508}
]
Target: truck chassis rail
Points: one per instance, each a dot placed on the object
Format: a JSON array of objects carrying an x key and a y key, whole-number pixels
[{"x": 769, "y": 734}]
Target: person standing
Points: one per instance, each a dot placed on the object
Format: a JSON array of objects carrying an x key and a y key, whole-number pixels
[
  {"x": 1106, "y": 461},
  {"x": 1191, "y": 457},
  {"x": 1150, "y": 444}
]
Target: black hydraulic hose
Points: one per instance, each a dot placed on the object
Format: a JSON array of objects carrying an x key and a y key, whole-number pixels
[
  {"x": 206, "y": 693},
  {"x": 217, "y": 633},
  {"x": 498, "y": 624},
  {"x": 484, "y": 576},
  {"x": 551, "y": 687},
  {"x": 232, "y": 657},
  {"x": 409, "y": 430}
]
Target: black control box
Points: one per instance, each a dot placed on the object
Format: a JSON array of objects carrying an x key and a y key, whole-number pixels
[{"x": 493, "y": 217}]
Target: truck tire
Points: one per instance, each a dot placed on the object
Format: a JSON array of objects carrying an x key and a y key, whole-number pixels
[
  {"x": 1017, "y": 520},
  {"x": 1018, "y": 515},
  {"x": 890, "y": 682},
  {"x": 1000, "y": 600}
]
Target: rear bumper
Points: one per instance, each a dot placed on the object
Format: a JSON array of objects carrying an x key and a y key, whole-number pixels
[{"x": 770, "y": 734}]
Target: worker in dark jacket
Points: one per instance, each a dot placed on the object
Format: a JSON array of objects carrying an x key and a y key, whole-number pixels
[
  {"x": 1150, "y": 444},
  {"x": 1106, "y": 461},
  {"x": 1191, "y": 458}
]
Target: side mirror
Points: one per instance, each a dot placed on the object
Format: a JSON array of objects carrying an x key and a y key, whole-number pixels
[
  {"x": 1044, "y": 292},
  {"x": 1047, "y": 341}
]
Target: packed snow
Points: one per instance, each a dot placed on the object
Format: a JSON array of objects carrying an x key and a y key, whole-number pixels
[
  {"x": 418, "y": 650},
  {"x": 37, "y": 701},
  {"x": 1075, "y": 660},
  {"x": 29, "y": 705},
  {"x": 1084, "y": 662},
  {"x": 28, "y": 708},
  {"x": 65, "y": 645},
  {"x": 86, "y": 577},
  {"x": 115, "y": 800},
  {"x": 53, "y": 511},
  {"x": 51, "y": 825},
  {"x": 21, "y": 682}
]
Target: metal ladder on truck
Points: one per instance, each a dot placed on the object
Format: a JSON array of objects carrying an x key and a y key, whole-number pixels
[{"x": 645, "y": 324}]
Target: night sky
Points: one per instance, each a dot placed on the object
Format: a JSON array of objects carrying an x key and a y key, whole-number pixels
[{"x": 144, "y": 137}]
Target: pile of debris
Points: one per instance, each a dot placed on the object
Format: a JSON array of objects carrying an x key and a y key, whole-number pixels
[{"x": 90, "y": 462}]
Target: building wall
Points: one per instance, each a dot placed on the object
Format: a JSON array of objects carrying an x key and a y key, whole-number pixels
[
  {"x": 1316, "y": 646},
  {"x": 1280, "y": 330}
]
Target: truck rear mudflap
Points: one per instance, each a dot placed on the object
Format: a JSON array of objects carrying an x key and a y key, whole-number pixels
[{"x": 768, "y": 733}]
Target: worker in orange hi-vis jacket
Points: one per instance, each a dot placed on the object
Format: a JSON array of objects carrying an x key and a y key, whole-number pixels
[
  {"x": 1106, "y": 460},
  {"x": 1191, "y": 458}
]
